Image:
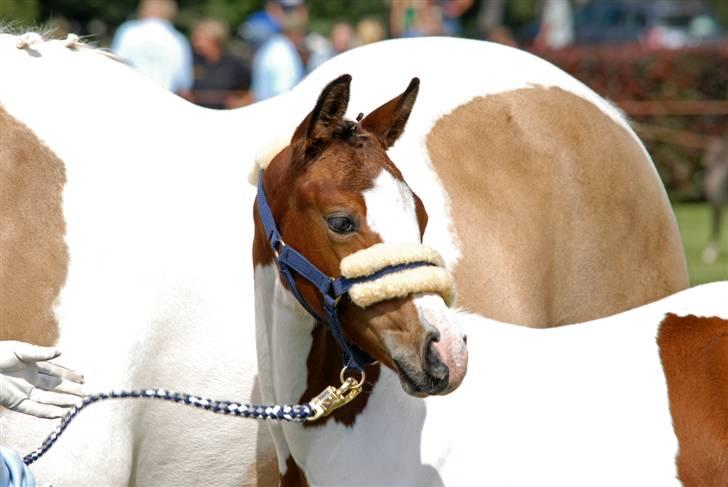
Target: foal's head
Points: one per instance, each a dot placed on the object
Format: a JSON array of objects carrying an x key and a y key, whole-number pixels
[{"x": 333, "y": 191}]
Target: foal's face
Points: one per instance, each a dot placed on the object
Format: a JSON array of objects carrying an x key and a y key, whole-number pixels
[{"x": 343, "y": 194}]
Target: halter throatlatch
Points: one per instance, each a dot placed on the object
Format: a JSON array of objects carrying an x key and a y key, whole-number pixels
[{"x": 371, "y": 275}]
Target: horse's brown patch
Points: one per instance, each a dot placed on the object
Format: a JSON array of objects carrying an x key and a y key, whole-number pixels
[
  {"x": 694, "y": 354},
  {"x": 294, "y": 476},
  {"x": 323, "y": 365},
  {"x": 559, "y": 214},
  {"x": 262, "y": 473},
  {"x": 33, "y": 252}
]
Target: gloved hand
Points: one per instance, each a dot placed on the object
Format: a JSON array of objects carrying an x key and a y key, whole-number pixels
[{"x": 30, "y": 384}]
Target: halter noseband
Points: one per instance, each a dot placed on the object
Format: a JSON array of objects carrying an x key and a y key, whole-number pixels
[{"x": 291, "y": 262}]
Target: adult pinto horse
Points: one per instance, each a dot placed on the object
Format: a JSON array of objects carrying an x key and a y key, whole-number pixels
[
  {"x": 540, "y": 198},
  {"x": 592, "y": 404}
]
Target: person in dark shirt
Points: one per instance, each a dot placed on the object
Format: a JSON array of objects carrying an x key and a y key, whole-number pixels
[{"x": 221, "y": 80}]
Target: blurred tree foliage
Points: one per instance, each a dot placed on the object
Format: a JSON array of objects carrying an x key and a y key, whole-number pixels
[
  {"x": 116, "y": 12},
  {"x": 23, "y": 12},
  {"x": 720, "y": 7},
  {"x": 323, "y": 13},
  {"x": 633, "y": 73}
]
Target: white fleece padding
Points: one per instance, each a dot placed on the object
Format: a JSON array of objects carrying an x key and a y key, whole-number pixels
[
  {"x": 401, "y": 284},
  {"x": 381, "y": 255},
  {"x": 265, "y": 156}
]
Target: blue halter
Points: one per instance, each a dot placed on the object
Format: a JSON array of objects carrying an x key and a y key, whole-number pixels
[{"x": 291, "y": 262}]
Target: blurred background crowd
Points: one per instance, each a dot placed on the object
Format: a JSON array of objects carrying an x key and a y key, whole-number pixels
[{"x": 663, "y": 62}]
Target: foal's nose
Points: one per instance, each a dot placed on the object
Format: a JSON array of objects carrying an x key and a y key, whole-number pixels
[{"x": 433, "y": 365}]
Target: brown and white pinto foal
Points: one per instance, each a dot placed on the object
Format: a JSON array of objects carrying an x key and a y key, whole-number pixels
[
  {"x": 577, "y": 405},
  {"x": 334, "y": 192}
]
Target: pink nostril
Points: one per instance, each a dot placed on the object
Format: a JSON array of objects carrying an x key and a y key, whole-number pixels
[{"x": 465, "y": 339}]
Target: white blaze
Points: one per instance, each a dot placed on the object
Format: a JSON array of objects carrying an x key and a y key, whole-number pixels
[{"x": 391, "y": 210}]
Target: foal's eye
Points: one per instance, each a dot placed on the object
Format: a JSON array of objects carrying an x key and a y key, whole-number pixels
[{"x": 341, "y": 224}]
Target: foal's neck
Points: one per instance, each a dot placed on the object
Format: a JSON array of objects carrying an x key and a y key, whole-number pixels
[
  {"x": 304, "y": 358},
  {"x": 323, "y": 366}
]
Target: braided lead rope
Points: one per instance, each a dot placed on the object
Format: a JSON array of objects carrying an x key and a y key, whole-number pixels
[{"x": 276, "y": 413}]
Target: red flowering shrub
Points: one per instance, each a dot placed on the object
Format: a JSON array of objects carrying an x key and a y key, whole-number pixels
[{"x": 676, "y": 99}]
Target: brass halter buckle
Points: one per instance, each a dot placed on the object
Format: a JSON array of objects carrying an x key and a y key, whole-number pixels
[{"x": 332, "y": 398}]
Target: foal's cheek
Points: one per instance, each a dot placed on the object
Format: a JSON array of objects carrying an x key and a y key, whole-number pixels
[{"x": 364, "y": 329}]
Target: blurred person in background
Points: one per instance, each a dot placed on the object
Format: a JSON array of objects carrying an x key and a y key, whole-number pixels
[
  {"x": 154, "y": 47},
  {"x": 369, "y": 30},
  {"x": 340, "y": 40},
  {"x": 715, "y": 161},
  {"x": 556, "y": 29},
  {"x": 413, "y": 18},
  {"x": 502, "y": 35},
  {"x": 342, "y": 36},
  {"x": 221, "y": 80},
  {"x": 263, "y": 24},
  {"x": 452, "y": 11},
  {"x": 278, "y": 64}
]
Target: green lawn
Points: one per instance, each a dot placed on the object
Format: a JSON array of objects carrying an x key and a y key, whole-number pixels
[{"x": 694, "y": 221}]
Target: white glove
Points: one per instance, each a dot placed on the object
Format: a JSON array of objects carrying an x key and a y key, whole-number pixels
[{"x": 30, "y": 384}]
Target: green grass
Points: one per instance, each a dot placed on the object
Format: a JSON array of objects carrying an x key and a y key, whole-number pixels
[{"x": 694, "y": 222}]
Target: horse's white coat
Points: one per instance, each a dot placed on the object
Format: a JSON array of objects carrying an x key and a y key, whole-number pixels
[
  {"x": 391, "y": 210},
  {"x": 159, "y": 285},
  {"x": 571, "y": 406}
]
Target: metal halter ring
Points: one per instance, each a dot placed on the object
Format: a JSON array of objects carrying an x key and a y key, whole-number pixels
[{"x": 356, "y": 385}]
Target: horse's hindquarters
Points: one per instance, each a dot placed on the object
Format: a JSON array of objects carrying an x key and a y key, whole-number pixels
[{"x": 560, "y": 215}]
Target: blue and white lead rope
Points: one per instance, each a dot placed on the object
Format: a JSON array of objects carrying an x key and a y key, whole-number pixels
[{"x": 277, "y": 413}]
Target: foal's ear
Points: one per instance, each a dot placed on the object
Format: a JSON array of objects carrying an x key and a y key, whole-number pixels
[
  {"x": 325, "y": 118},
  {"x": 388, "y": 121}
]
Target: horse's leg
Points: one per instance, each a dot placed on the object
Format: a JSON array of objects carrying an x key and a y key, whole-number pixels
[{"x": 712, "y": 250}]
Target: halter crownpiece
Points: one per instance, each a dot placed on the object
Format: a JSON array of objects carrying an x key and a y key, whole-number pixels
[{"x": 369, "y": 276}]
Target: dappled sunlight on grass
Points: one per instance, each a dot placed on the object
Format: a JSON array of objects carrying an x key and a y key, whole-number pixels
[{"x": 694, "y": 221}]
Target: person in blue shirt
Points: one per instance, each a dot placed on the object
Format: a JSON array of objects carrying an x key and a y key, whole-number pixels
[
  {"x": 154, "y": 47},
  {"x": 277, "y": 65}
]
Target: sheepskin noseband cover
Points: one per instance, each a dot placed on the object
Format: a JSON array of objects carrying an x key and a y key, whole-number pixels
[{"x": 425, "y": 279}]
